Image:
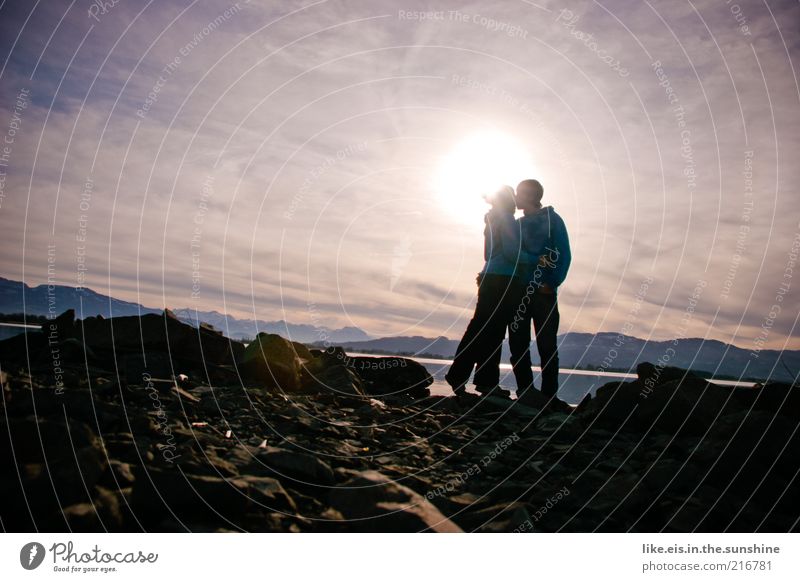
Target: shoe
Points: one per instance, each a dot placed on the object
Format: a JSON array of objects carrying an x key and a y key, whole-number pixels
[
  {"x": 458, "y": 389},
  {"x": 555, "y": 404},
  {"x": 493, "y": 391},
  {"x": 532, "y": 398},
  {"x": 523, "y": 393}
]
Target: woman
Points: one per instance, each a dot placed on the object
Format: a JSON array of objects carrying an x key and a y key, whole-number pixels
[{"x": 500, "y": 289}]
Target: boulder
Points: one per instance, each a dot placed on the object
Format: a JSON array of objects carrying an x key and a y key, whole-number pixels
[
  {"x": 670, "y": 401},
  {"x": 103, "y": 513},
  {"x": 158, "y": 333},
  {"x": 391, "y": 376},
  {"x": 338, "y": 379},
  {"x": 375, "y": 503},
  {"x": 651, "y": 375},
  {"x": 506, "y": 517},
  {"x": 774, "y": 397},
  {"x": 272, "y": 360},
  {"x": 387, "y": 376},
  {"x": 685, "y": 407},
  {"x": 305, "y": 468},
  {"x": 535, "y": 399},
  {"x": 63, "y": 325},
  {"x": 269, "y": 493},
  {"x": 48, "y": 461},
  {"x": 169, "y": 491}
]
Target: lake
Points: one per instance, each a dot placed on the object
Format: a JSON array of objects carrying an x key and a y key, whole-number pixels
[{"x": 573, "y": 384}]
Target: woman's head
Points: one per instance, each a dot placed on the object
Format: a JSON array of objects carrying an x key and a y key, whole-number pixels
[{"x": 503, "y": 199}]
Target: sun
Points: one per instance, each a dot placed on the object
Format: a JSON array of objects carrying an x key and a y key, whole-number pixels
[{"x": 476, "y": 166}]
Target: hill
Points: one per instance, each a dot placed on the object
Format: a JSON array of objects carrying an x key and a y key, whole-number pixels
[
  {"x": 16, "y": 298},
  {"x": 607, "y": 351}
]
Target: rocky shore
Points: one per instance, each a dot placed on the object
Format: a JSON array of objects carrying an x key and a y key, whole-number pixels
[{"x": 147, "y": 424}]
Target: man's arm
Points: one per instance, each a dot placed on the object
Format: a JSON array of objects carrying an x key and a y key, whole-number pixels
[{"x": 561, "y": 241}]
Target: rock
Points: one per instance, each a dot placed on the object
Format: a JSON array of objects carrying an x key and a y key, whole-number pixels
[
  {"x": 498, "y": 518},
  {"x": 24, "y": 350},
  {"x": 209, "y": 328},
  {"x": 384, "y": 377},
  {"x": 270, "y": 493},
  {"x": 583, "y": 405},
  {"x": 304, "y": 468},
  {"x": 774, "y": 397},
  {"x": 158, "y": 333},
  {"x": 651, "y": 376},
  {"x": 5, "y": 395},
  {"x": 73, "y": 351},
  {"x": 58, "y": 465},
  {"x": 338, "y": 379},
  {"x": 120, "y": 475},
  {"x": 378, "y": 504},
  {"x": 273, "y": 360},
  {"x": 751, "y": 450},
  {"x": 302, "y": 352},
  {"x": 142, "y": 367},
  {"x": 671, "y": 401},
  {"x": 103, "y": 513},
  {"x": 391, "y": 376},
  {"x": 685, "y": 407},
  {"x": 563, "y": 423},
  {"x": 535, "y": 399},
  {"x": 245, "y": 458},
  {"x": 188, "y": 497}
]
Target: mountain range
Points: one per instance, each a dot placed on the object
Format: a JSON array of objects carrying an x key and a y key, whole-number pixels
[
  {"x": 599, "y": 351},
  {"x": 16, "y": 297},
  {"x": 606, "y": 351}
]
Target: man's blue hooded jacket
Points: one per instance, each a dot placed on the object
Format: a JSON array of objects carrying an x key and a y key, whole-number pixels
[{"x": 545, "y": 229}]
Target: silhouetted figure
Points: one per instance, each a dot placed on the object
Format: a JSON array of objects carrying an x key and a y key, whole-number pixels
[
  {"x": 542, "y": 231},
  {"x": 542, "y": 289},
  {"x": 500, "y": 290}
]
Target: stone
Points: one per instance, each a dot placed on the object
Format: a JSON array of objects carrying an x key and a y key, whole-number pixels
[
  {"x": 339, "y": 380},
  {"x": 673, "y": 401},
  {"x": 379, "y": 504},
  {"x": 270, "y": 493},
  {"x": 169, "y": 491},
  {"x": 497, "y": 518},
  {"x": 58, "y": 464},
  {"x": 71, "y": 455},
  {"x": 253, "y": 458},
  {"x": 391, "y": 376},
  {"x": 272, "y": 360},
  {"x": 103, "y": 513},
  {"x": 119, "y": 475},
  {"x": 158, "y": 333},
  {"x": 304, "y": 468}
]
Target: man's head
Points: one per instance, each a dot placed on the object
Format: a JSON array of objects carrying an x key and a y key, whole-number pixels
[{"x": 529, "y": 195}]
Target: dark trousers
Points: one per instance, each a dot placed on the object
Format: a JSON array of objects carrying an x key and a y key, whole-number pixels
[
  {"x": 541, "y": 309},
  {"x": 498, "y": 298}
]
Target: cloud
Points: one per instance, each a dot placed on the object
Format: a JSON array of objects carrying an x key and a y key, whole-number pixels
[{"x": 320, "y": 127}]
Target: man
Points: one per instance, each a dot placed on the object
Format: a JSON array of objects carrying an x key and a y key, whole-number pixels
[{"x": 540, "y": 226}]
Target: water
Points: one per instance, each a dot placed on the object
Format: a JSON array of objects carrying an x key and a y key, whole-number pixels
[{"x": 573, "y": 384}]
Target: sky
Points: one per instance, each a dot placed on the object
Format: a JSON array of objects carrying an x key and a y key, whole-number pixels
[{"x": 323, "y": 162}]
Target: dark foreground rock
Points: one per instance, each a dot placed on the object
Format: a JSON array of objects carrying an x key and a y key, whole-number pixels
[
  {"x": 324, "y": 442},
  {"x": 375, "y": 503}
]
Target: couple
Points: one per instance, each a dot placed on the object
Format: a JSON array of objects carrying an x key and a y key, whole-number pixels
[{"x": 526, "y": 259}]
